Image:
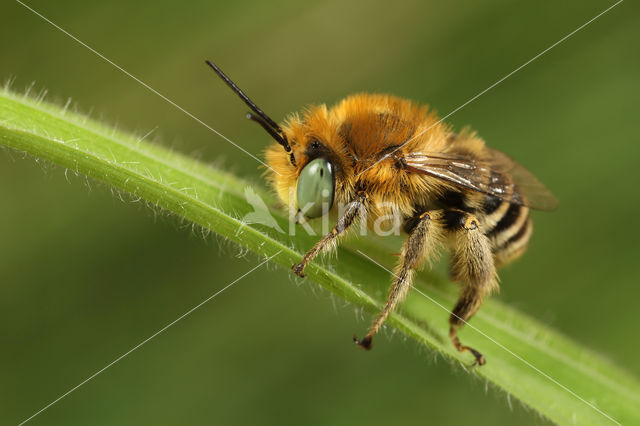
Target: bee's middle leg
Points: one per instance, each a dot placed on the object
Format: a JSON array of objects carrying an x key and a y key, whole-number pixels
[{"x": 422, "y": 242}]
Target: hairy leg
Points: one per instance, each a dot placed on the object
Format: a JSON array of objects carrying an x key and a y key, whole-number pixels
[
  {"x": 472, "y": 264},
  {"x": 327, "y": 242},
  {"x": 422, "y": 242}
]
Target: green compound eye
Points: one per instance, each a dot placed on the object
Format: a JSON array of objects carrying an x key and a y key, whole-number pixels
[{"x": 315, "y": 188}]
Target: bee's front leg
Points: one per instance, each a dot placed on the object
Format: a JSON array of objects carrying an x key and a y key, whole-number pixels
[{"x": 328, "y": 241}]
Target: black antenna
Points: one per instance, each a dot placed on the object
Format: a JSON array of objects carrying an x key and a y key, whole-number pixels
[
  {"x": 261, "y": 118},
  {"x": 273, "y": 132}
]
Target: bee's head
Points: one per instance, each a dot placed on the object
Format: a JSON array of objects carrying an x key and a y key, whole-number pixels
[
  {"x": 314, "y": 182},
  {"x": 307, "y": 168}
]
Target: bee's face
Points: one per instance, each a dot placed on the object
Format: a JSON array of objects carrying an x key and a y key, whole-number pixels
[{"x": 316, "y": 180}]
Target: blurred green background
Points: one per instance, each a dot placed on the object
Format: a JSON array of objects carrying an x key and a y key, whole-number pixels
[{"x": 84, "y": 277}]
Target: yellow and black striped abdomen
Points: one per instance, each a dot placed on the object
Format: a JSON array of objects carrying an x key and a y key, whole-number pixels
[{"x": 508, "y": 227}]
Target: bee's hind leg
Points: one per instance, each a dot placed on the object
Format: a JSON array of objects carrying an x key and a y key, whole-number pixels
[
  {"x": 472, "y": 263},
  {"x": 422, "y": 242}
]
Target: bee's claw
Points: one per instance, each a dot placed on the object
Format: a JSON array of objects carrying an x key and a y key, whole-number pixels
[
  {"x": 365, "y": 343},
  {"x": 298, "y": 268},
  {"x": 480, "y": 360}
]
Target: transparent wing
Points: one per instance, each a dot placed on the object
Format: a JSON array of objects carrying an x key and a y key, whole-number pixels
[{"x": 497, "y": 175}]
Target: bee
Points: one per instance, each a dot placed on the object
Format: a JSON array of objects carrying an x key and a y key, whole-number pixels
[{"x": 382, "y": 156}]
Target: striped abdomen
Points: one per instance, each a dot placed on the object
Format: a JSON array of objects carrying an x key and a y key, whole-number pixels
[{"x": 508, "y": 227}]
